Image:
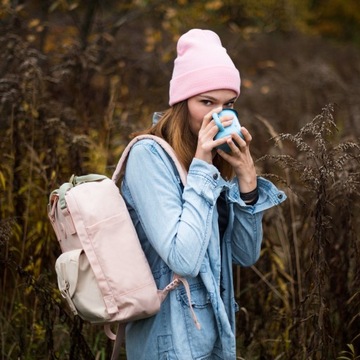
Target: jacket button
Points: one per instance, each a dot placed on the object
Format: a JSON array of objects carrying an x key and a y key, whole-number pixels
[
  {"x": 280, "y": 196},
  {"x": 215, "y": 176}
]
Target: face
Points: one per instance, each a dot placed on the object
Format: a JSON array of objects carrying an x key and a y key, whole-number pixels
[{"x": 202, "y": 104}]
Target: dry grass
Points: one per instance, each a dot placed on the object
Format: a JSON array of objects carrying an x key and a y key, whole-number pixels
[{"x": 71, "y": 110}]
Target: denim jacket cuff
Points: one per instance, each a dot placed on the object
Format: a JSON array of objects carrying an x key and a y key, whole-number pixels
[
  {"x": 269, "y": 196},
  {"x": 205, "y": 179}
]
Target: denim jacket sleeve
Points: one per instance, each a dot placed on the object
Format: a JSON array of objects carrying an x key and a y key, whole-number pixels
[
  {"x": 177, "y": 224},
  {"x": 246, "y": 236}
]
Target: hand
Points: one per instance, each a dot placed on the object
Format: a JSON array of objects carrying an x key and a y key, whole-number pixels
[
  {"x": 241, "y": 160},
  {"x": 206, "y": 144}
]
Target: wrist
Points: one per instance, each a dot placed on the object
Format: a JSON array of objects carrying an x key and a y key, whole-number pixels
[
  {"x": 247, "y": 180},
  {"x": 247, "y": 185},
  {"x": 251, "y": 197},
  {"x": 203, "y": 156}
]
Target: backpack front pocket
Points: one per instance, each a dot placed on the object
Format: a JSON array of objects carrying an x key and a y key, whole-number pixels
[{"x": 77, "y": 284}]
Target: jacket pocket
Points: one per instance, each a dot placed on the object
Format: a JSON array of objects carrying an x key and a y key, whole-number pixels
[
  {"x": 201, "y": 341},
  {"x": 166, "y": 348}
]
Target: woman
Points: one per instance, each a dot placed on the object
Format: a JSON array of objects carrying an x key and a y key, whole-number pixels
[{"x": 198, "y": 230}]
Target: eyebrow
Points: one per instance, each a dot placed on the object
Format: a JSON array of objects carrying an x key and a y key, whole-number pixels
[{"x": 209, "y": 97}]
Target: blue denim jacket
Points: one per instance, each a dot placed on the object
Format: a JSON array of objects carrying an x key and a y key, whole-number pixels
[{"x": 179, "y": 232}]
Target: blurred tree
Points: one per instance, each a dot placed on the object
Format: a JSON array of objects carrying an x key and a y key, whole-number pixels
[
  {"x": 77, "y": 77},
  {"x": 339, "y": 19}
]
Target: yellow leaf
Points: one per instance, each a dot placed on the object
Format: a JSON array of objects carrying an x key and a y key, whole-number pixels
[
  {"x": 2, "y": 180},
  {"x": 30, "y": 38},
  {"x": 265, "y": 89},
  {"x": 34, "y": 23},
  {"x": 247, "y": 83},
  {"x": 214, "y": 5}
]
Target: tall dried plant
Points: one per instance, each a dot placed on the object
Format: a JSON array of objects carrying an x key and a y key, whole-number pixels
[{"x": 325, "y": 178}]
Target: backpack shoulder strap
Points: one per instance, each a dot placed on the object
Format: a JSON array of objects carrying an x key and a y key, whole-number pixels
[{"x": 166, "y": 147}]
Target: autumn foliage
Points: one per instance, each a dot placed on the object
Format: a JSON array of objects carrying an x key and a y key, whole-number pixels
[{"x": 78, "y": 77}]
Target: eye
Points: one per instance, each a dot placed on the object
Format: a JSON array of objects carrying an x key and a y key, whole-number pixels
[
  {"x": 229, "y": 104},
  {"x": 207, "y": 102}
]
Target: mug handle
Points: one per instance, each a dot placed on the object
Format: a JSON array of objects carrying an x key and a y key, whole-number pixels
[{"x": 217, "y": 121}]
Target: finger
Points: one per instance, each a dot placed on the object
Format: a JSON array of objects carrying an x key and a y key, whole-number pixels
[
  {"x": 236, "y": 146},
  {"x": 221, "y": 141},
  {"x": 208, "y": 117},
  {"x": 226, "y": 123},
  {"x": 226, "y": 156},
  {"x": 246, "y": 134},
  {"x": 239, "y": 141}
]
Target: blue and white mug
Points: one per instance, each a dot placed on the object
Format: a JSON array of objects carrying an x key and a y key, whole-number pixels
[{"x": 234, "y": 127}]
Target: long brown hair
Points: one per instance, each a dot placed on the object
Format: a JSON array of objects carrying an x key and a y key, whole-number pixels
[{"x": 174, "y": 127}]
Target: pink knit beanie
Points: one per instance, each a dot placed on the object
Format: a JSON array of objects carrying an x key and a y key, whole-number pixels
[{"x": 202, "y": 65}]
